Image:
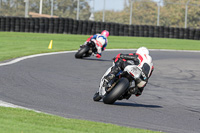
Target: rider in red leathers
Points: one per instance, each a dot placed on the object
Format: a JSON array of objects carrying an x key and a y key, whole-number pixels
[{"x": 140, "y": 58}]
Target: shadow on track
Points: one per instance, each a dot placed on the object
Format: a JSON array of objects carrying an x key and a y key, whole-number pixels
[
  {"x": 136, "y": 105},
  {"x": 92, "y": 59}
]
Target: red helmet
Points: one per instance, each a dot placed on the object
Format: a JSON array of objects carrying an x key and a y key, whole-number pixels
[{"x": 105, "y": 33}]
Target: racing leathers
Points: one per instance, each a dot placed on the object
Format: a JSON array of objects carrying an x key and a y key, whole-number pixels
[
  {"x": 142, "y": 61},
  {"x": 100, "y": 43}
]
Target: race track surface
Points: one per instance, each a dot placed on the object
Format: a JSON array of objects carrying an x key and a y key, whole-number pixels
[{"x": 62, "y": 85}]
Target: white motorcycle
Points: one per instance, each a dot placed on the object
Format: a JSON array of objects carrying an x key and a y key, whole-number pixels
[{"x": 122, "y": 85}]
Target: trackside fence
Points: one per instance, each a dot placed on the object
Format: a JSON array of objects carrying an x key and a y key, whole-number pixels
[{"x": 71, "y": 26}]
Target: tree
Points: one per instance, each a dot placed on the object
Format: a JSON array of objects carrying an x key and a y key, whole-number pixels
[
  {"x": 62, "y": 8},
  {"x": 68, "y": 8},
  {"x": 173, "y": 13},
  {"x": 12, "y": 8}
]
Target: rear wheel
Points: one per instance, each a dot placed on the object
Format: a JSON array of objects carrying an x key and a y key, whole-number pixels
[
  {"x": 82, "y": 52},
  {"x": 117, "y": 91}
]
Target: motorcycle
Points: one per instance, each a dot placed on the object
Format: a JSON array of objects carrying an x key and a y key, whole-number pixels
[
  {"x": 86, "y": 50},
  {"x": 121, "y": 87}
]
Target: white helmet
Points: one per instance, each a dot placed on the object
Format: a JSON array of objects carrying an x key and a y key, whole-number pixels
[{"x": 142, "y": 51}]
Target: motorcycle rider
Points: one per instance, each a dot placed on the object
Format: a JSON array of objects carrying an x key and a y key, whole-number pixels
[
  {"x": 100, "y": 41},
  {"x": 142, "y": 59}
]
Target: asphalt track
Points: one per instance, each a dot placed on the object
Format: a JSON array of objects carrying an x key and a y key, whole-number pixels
[{"x": 62, "y": 85}]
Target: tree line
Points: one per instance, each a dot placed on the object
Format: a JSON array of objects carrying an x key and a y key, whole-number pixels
[{"x": 144, "y": 12}]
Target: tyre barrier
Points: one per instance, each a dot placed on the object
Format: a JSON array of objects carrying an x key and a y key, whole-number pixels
[
  {"x": 141, "y": 31},
  {"x": 111, "y": 29},
  {"x": 181, "y": 33},
  {"x": 27, "y": 24},
  {"x": 55, "y": 25},
  {"x": 98, "y": 27},
  {"x": 126, "y": 28},
  {"x": 107, "y": 27},
  {"x": 197, "y": 34},
  {"x": 121, "y": 30},
  {"x": 61, "y": 25},
  {"x": 156, "y": 31},
  {"x": 12, "y": 23},
  {"x": 41, "y": 27},
  {"x": 66, "y": 26},
  {"x": 146, "y": 31},
  {"x": 85, "y": 27},
  {"x": 2, "y": 24},
  {"x": 7, "y": 24},
  {"x": 70, "y": 26},
  {"x": 32, "y": 25},
  {"x": 116, "y": 29},
  {"x": 17, "y": 24},
  {"x": 186, "y": 33},
  {"x": 22, "y": 24},
  {"x": 80, "y": 25},
  {"x": 161, "y": 31},
  {"x": 51, "y": 25},
  {"x": 131, "y": 30},
  {"x": 93, "y": 28},
  {"x": 46, "y": 25},
  {"x": 103, "y": 27},
  {"x": 151, "y": 31},
  {"x": 136, "y": 30}
]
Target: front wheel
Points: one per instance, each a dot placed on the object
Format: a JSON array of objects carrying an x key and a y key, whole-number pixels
[
  {"x": 118, "y": 90},
  {"x": 82, "y": 52}
]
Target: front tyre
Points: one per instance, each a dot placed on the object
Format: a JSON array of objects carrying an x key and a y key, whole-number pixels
[
  {"x": 82, "y": 52},
  {"x": 116, "y": 91}
]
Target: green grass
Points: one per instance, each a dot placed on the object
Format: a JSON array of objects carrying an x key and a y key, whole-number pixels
[
  {"x": 13, "y": 44},
  {"x": 13, "y": 120}
]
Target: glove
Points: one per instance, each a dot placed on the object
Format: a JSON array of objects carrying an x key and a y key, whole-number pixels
[{"x": 98, "y": 55}]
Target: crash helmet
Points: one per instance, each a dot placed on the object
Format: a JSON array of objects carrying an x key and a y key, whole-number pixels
[
  {"x": 142, "y": 51},
  {"x": 105, "y": 33}
]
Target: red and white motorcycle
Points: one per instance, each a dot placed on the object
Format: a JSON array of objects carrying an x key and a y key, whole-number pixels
[{"x": 122, "y": 86}]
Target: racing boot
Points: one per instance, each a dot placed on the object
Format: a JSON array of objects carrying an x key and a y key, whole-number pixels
[{"x": 108, "y": 78}]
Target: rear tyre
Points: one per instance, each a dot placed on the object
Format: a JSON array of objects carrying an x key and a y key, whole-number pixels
[
  {"x": 117, "y": 91},
  {"x": 82, "y": 52},
  {"x": 96, "y": 97}
]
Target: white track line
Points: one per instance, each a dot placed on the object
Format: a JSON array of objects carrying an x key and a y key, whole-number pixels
[
  {"x": 5, "y": 104},
  {"x": 32, "y": 56}
]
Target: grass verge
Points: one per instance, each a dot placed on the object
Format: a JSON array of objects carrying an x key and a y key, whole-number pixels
[
  {"x": 14, "y": 44},
  {"x": 14, "y": 120}
]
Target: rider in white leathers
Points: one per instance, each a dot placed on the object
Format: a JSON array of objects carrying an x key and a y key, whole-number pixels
[
  {"x": 100, "y": 41},
  {"x": 141, "y": 58}
]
